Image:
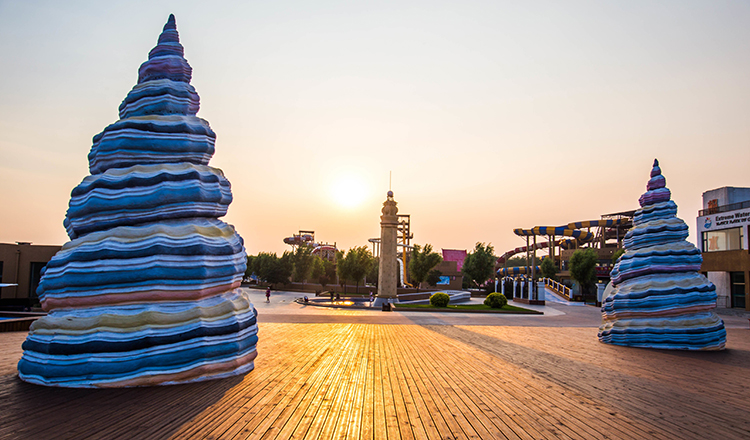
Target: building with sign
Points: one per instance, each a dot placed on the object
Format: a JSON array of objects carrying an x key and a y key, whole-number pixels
[
  {"x": 20, "y": 271},
  {"x": 723, "y": 227}
]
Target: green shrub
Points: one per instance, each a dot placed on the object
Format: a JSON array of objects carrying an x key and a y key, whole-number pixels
[
  {"x": 496, "y": 300},
  {"x": 440, "y": 299}
]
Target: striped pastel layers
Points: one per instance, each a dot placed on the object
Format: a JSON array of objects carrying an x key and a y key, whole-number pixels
[
  {"x": 660, "y": 299},
  {"x": 147, "y": 290}
]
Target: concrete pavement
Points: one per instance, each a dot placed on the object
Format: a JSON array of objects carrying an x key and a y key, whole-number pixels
[{"x": 283, "y": 308}]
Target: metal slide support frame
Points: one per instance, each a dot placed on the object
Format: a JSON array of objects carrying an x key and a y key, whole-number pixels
[
  {"x": 527, "y": 249},
  {"x": 533, "y": 294}
]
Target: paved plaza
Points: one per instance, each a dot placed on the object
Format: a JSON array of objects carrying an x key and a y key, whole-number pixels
[{"x": 333, "y": 373}]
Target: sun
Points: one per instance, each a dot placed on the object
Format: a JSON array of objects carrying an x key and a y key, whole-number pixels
[{"x": 348, "y": 191}]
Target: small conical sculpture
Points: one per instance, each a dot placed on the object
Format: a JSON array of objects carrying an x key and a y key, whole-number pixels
[
  {"x": 660, "y": 299},
  {"x": 147, "y": 290}
]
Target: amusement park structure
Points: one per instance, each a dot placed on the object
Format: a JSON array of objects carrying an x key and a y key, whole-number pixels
[
  {"x": 604, "y": 235},
  {"x": 307, "y": 238}
]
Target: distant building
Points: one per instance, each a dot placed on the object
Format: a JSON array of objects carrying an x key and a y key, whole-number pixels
[
  {"x": 22, "y": 264},
  {"x": 451, "y": 278},
  {"x": 450, "y": 268},
  {"x": 455, "y": 255},
  {"x": 723, "y": 227}
]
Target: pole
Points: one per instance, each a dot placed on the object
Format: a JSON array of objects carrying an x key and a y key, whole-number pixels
[{"x": 533, "y": 271}]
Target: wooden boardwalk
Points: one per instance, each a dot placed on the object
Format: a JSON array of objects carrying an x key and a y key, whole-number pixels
[{"x": 412, "y": 382}]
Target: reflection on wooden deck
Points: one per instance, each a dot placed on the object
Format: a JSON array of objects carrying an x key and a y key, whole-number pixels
[{"x": 412, "y": 382}]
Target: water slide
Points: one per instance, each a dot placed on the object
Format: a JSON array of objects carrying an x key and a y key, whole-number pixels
[
  {"x": 325, "y": 251},
  {"x": 299, "y": 239},
  {"x": 516, "y": 270},
  {"x": 307, "y": 238},
  {"x": 565, "y": 244},
  {"x": 574, "y": 230}
]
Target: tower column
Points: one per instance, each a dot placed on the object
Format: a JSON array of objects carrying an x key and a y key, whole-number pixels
[{"x": 388, "y": 269}]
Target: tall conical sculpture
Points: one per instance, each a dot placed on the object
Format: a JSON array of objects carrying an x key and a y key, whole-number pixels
[
  {"x": 147, "y": 290},
  {"x": 660, "y": 299}
]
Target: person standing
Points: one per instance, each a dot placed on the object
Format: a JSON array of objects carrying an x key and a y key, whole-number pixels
[{"x": 268, "y": 295}]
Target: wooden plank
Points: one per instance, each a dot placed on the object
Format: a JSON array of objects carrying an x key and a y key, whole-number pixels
[
  {"x": 230, "y": 404},
  {"x": 514, "y": 391},
  {"x": 403, "y": 423},
  {"x": 532, "y": 391},
  {"x": 452, "y": 393},
  {"x": 638, "y": 393},
  {"x": 317, "y": 407},
  {"x": 409, "y": 381},
  {"x": 334, "y": 409},
  {"x": 239, "y": 400},
  {"x": 367, "y": 411},
  {"x": 380, "y": 420},
  {"x": 262, "y": 414},
  {"x": 433, "y": 421},
  {"x": 529, "y": 411},
  {"x": 295, "y": 412},
  {"x": 353, "y": 426},
  {"x": 424, "y": 374},
  {"x": 389, "y": 396}
]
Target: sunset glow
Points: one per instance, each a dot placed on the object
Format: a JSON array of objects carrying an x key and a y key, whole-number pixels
[
  {"x": 491, "y": 115},
  {"x": 348, "y": 191}
]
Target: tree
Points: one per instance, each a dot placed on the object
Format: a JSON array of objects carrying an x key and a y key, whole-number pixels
[
  {"x": 330, "y": 272},
  {"x": 516, "y": 261},
  {"x": 583, "y": 268},
  {"x": 422, "y": 261},
  {"x": 249, "y": 271},
  {"x": 285, "y": 267},
  {"x": 374, "y": 273},
  {"x": 322, "y": 271},
  {"x": 262, "y": 265},
  {"x": 342, "y": 269},
  {"x": 272, "y": 269},
  {"x": 303, "y": 260},
  {"x": 357, "y": 263},
  {"x": 549, "y": 270},
  {"x": 480, "y": 264},
  {"x": 617, "y": 254},
  {"x": 433, "y": 277},
  {"x": 317, "y": 270}
]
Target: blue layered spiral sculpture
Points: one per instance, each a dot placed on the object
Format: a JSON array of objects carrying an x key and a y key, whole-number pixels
[
  {"x": 660, "y": 299},
  {"x": 147, "y": 290}
]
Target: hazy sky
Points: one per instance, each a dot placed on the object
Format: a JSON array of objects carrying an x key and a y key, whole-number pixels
[{"x": 491, "y": 115}]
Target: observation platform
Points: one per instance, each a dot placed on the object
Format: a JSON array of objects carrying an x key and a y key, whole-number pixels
[{"x": 323, "y": 373}]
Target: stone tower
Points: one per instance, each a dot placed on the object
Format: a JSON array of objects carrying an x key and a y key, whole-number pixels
[{"x": 387, "y": 276}]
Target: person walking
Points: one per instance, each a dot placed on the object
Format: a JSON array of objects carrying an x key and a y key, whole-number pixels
[{"x": 268, "y": 295}]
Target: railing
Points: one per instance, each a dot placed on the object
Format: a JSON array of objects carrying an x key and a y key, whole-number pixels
[
  {"x": 724, "y": 208},
  {"x": 558, "y": 288},
  {"x": 723, "y": 302}
]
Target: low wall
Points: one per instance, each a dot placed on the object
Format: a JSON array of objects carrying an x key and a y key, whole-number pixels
[{"x": 18, "y": 321}]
